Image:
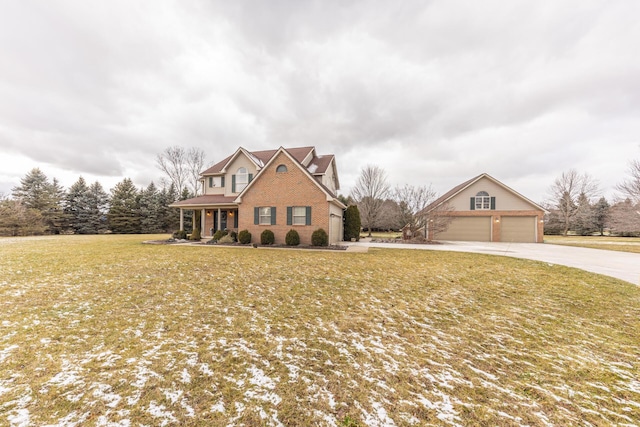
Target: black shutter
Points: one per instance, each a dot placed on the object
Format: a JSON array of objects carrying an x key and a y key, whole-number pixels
[
  {"x": 233, "y": 183},
  {"x": 473, "y": 204},
  {"x": 273, "y": 215},
  {"x": 222, "y": 184},
  {"x": 256, "y": 215},
  {"x": 289, "y": 215},
  {"x": 493, "y": 203},
  {"x": 308, "y": 216}
]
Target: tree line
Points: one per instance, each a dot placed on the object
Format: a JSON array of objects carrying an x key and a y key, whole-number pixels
[
  {"x": 42, "y": 206},
  {"x": 575, "y": 205}
]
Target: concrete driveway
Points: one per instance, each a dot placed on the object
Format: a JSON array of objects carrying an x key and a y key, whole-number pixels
[{"x": 621, "y": 265}]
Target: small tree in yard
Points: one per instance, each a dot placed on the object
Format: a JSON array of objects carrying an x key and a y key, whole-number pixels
[
  {"x": 601, "y": 214},
  {"x": 412, "y": 202},
  {"x": 352, "y": 224},
  {"x": 370, "y": 192}
]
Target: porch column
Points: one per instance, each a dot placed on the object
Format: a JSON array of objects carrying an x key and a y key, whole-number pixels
[
  {"x": 181, "y": 219},
  {"x": 219, "y": 218},
  {"x": 202, "y": 217}
]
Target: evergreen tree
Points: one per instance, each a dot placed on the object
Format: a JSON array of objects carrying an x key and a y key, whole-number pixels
[
  {"x": 77, "y": 206},
  {"x": 352, "y": 223},
  {"x": 36, "y": 192},
  {"x": 97, "y": 208},
  {"x": 584, "y": 220},
  {"x": 150, "y": 221},
  {"x": 601, "y": 215},
  {"x": 124, "y": 210},
  {"x": 188, "y": 214},
  {"x": 169, "y": 218}
]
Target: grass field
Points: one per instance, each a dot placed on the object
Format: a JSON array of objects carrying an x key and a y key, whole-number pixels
[
  {"x": 102, "y": 330},
  {"x": 623, "y": 244}
]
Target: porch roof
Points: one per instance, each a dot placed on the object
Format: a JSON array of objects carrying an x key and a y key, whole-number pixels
[{"x": 205, "y": 201}]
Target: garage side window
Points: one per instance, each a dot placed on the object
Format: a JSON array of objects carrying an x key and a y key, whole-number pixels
[{"x": 482, "y": 201}]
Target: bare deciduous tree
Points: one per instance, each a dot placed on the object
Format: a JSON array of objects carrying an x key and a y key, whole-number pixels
[
  {"x": 370, "y": 192},
  {"x": 566, "y": 190},
  {"x": 631, "y": 187},
  {"x": 183, "y": 167},
  {"x": 412, "y": 201}
]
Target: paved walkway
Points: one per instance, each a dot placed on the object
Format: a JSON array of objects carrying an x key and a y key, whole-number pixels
[{"x": 621, "y": 265}]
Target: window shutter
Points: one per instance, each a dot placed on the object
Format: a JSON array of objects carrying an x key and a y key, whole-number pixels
[
  {"x": 289, "y": 215},
  {"x": 250, "y": 177},
  {"x": 308, "y": 219},
  {"x": 273, "y": 215},
  {"x": 493, "y": 203},
  {"x": 235, "y": 220},
  {"x": 256, "y": 215},
  {"x": 473, "y": 204},
  {"x": 222, "y": 184},
  {"x": 210, "y": 181},
  {"x": 233, "y": 183}
]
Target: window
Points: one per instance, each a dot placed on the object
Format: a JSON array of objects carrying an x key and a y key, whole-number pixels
[
  {"x": 482, "y": 201},
  {"x": 299, "y": 215},
  {"x": 216, "y": 181},
  {"x": 242, "y": 179},
  {"x": 281, "y": 168},
  {"x": 264, "y": 215}
]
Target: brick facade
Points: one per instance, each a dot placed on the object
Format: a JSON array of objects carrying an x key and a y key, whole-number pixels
[{"x": 282, "y": 189}]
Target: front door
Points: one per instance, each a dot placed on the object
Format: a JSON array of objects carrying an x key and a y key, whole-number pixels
[{"x": 223, "y": 220}]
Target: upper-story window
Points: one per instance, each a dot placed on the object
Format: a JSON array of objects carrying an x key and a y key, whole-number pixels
[
  {"x": 281, "y": 168},
  {"x": 483, "y": 201},
  {"x": 242, "y": 179}
]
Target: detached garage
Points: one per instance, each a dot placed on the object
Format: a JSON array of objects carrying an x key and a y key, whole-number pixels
[{"x": 485, "y": 210}]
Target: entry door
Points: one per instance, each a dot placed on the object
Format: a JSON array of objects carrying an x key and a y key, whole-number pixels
[{"x": 223, "y": 220}]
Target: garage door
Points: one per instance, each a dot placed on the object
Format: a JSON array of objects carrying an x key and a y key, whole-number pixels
[
  {"x": 473, "y": 229},
  {"x": 518, "y": 229}
]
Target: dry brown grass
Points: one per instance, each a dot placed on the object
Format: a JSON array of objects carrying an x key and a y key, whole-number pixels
[{"x": 98, "y": 330}]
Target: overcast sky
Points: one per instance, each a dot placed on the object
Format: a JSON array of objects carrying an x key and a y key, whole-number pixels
[{"x": 432, "y": 91}]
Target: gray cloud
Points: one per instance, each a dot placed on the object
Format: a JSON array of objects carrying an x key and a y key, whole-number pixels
[{"x": 435, "y": 91}]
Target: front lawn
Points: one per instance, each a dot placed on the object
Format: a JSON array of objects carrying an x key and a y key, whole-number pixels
[{"x": 102, "y": 330}]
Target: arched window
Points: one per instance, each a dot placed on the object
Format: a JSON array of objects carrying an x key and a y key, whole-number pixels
[
  {"x": 281, "y": 168},
  {"x": 242, "y": 179},
  {"x": 483, "y": 201}
]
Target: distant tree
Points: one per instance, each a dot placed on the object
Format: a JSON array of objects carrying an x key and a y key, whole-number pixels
[
  {"x": 150, "y": 220},
  {"x": 346, "y": 200},
  {"x": 390, "y": 216},
  {"x": 584, "y": 221},
  {"x": 169, "y": 218},
  {"x": 412, "y": 202},
  {"x": 624, "y": 218},
  {"x": 183, "y": 167},
  {"x": 631, "y": 187},
  {"x": 36, "y": 192},
  {"x": 564, "y": 195},
  {"x": 352, "y": 224},
  {"x": 601, "y": 215},
  {"x": 16, "y": 219},
  {"x": 370, "y": 191},
  {"x": 76, "y": 207},
  {"x": 124, "y": 210}
]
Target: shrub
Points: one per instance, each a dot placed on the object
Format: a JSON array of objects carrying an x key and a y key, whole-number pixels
[
  {"x": 319, "y": 238},
  {"x": 219, "y": 235},
  {"x": 234, "y": 236},
  {"x": 244, "y": 237},
  {"x": 196, "y": 235},
  {"x": 180, "y": 235},
  {"x": 267, "y": 237},
  {"x": 352, "y": 223},
  {"x": 226, "y": 239},
  {"x": 292, "y": 238}
]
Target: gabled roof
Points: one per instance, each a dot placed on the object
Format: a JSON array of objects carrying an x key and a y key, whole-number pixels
[
  {"x": 461, "y": 187},
  {"x": 259, "y": 158},
  {"x": 329, "y": 194}
]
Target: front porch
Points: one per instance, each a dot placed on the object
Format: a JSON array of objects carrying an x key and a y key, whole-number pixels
[{"x": 215, "y": 213}]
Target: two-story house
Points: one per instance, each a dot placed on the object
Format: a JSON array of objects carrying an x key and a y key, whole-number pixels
[{"x": 272, "y": 189}]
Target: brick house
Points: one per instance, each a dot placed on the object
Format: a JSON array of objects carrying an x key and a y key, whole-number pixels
[
  {"x": 485, "y": 209},
  {"x": 279, "y": 190}
]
